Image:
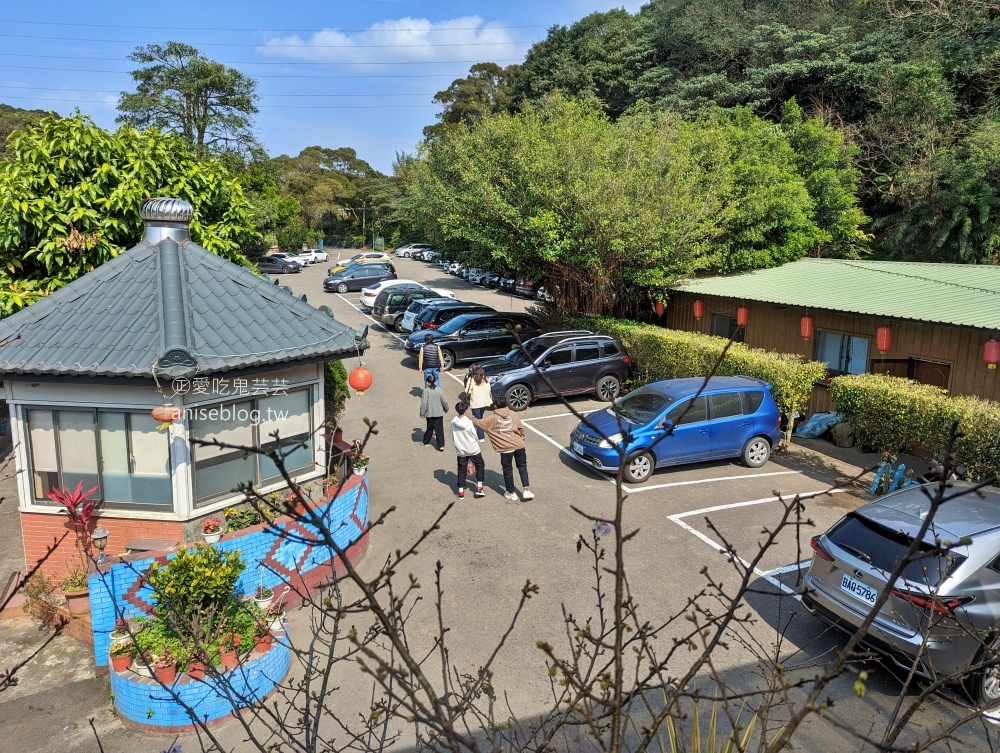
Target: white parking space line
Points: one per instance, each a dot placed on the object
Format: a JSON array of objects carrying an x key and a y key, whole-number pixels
[
  {"x": 789, "y": 568},
  {"x": 769, "y": 575},
  {"x": 565, "y": 451},
  {"x": 369, "y": 316},
  {"x": 561, "y": 415},
  {"x": 713, "y": 480}
]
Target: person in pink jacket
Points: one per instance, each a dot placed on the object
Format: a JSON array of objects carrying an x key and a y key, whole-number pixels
[{"x": 506, "y": 433}]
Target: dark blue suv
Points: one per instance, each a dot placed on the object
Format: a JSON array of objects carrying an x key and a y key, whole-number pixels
[{"x": 665, "y": 424}]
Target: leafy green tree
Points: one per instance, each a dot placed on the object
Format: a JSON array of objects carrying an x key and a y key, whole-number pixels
[
  {"x": 15, "y": 119},
  {"x": 70, "y": 194},
  {"x": 484, "y": 91},
  {"x": 181, "y": 90}
]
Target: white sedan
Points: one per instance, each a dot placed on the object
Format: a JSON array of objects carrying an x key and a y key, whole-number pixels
[
  {"x": 315, "y": 255},
  {"x": 369, "y": 294},
  {"x": 299, "y": 258}
]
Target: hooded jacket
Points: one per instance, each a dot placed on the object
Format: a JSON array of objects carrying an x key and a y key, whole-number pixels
[
  {"x": 463, "y": 434},
  {"x": 504, "y": 429}
]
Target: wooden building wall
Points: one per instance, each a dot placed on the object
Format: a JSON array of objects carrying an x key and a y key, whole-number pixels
[{"x": 776, "y": 327}]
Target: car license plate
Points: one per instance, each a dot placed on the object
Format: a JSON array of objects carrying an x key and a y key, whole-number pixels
[
  {"x": 858, "y": 590},
  {"x": 577, "y": 447}
]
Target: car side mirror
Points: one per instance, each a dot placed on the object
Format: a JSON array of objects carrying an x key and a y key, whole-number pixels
[
  {"x": 668, "y": 424},
  {"x": 546, "y": 364}
]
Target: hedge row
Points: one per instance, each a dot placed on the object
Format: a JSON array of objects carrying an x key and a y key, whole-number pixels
[
  {"x": 660, "y": 353},
  {"x": 891, "y": 413}
]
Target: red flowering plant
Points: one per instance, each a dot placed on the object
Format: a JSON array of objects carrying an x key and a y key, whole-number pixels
[
  {"x": 212, "y": 525},
  {"x": 80, "y": 508}
]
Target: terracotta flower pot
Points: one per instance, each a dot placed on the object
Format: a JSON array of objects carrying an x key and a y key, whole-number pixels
[
  {"x": 78, "y": 602},
  {"x": 263, "y": 643},
  {"x": 121, "y": 663},
  {"x": 196, "y": 670},
  {"x": 166, "y": 675},
  {"x": 228, "y": 659}
]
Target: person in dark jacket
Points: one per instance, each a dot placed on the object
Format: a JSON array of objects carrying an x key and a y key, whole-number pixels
[
  {"x": 429, "y": 359},
  {"x": 433, "y": 406}
]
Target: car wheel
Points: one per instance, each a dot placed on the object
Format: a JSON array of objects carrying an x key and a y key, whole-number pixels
[
  {"x": 639, "y": 468},
  {"x": 985, "y": 682},
  {"x": 447, "y": 359},
  {"x": 518, "y": 397},
  {"x": 342, "y": 287},
  {"x": 398, "y": 324},
  {"x": 608, "y": 388},
  {"x": 287, "y": 270},
  {"x": 756, "y": 452}
]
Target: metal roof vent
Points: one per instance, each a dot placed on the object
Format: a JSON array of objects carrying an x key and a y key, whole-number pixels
[{"x": 166, "y": 218}]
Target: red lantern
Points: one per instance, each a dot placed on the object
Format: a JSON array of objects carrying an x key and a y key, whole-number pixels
[
  {"x": 166, "y": 414},
  {"x": 360, "y": 379},
  {"x": 742, "y": 315},
  {"x": 806, "y": 327},
  {"x": 698, "y": 309},
  {"x": 659, "y": 308},
  {"x": 883, "y": 339},
  {"x": 991, "y": 353}
]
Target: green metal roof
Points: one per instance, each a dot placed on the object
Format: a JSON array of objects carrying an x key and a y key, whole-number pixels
[{"x": 961, "y": 294}]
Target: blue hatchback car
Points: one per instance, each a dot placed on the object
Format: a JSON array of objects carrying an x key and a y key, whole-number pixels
[{"x": 732, "y": 417}]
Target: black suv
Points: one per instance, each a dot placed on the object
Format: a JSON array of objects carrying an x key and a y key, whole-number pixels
[
  {"x": 437, "y": 314},
  {"x": 575, "y": 362},
  {"x": 474, "y": 337},
  {"x": 391, "y": 304},
  {"x": 358, "y": 277}
]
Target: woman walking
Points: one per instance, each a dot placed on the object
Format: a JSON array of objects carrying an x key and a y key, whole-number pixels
[
  {"x": 432, "y": 408},
  {"x": 477, "y": 387}
]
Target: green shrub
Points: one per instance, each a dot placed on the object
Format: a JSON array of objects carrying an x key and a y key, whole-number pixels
[
  {"x": 193, "y": 589},
  {"x": 890, "y": 414},
  {"x": 335, "y": 390},
  {"x": 660, "y": 353}
]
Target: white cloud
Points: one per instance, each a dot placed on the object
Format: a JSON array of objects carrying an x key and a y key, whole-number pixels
[{"x": 403, "y": 41}]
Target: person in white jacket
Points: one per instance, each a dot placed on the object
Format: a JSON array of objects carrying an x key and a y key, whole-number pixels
[{"x": 463, "y": 433}]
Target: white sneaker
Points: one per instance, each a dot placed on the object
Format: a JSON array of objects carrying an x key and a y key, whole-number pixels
[
  {"x": 527, "y": 495},
  {"x": 510, "y": 496}
]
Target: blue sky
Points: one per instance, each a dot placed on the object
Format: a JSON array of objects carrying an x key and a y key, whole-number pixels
[{"x": 358, "y": 73}]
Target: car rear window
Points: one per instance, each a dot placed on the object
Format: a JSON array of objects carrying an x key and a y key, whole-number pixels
[
  {"x": 753, "y": 400},
  {"x": 883, "y": 548}
]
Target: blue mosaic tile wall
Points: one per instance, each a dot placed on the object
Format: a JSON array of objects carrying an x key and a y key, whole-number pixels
[
  {"x": 143, "y": 700},
  {"x": 274, "y": 556}
]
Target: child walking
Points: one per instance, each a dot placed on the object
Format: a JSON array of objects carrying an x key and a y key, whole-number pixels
[
  {"x": 463, "y": 433},
  {"x": 433, "y": 406},
  {"x": 506, "y": 433}
]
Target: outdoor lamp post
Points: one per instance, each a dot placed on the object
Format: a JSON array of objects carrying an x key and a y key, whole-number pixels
[{"x": 100, "y": 539}]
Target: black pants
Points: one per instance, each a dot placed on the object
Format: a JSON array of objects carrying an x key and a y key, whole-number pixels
[
  {"x": 519, "y": 457},
  {"x": 463, "y": 467},
  {"x": 435, "y": 426}
]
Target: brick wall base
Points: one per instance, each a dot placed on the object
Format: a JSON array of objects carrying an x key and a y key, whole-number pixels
[{"x": 59, "y": 617}]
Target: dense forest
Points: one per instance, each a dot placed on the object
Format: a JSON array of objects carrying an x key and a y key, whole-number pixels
[{"x": 626, "y": 151}]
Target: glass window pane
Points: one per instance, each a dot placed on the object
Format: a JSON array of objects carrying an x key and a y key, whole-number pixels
[
  {"x": 220, "y": 469},
  {"x": 691, "y": 415},
  {"x": 289, "y": 417},
  {"x": 44, "y": 458},
  {"x": 828, "y": 349},
  {"x": 560, "y": 356},
  {"x": 78, "y": 448},
  {"x": 726, "y": 405},
  {"x": 114, "y": 456},
  {"x": 857, "y": 355},
  {"x": 587, "y": 352},
  {"x": 147, "y": 477}
]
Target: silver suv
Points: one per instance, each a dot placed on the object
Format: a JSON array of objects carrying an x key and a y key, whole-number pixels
[{"x": 943, "y": 614}]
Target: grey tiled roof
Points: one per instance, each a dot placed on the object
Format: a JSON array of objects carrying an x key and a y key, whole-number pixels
[{"x": 118, "y": 321}]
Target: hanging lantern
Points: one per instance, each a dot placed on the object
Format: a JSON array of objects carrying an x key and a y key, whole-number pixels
[
  {"x": 659, "y": 308},
  {"x": 883, "y": 339},
  {"x": 166, "y": 414},
  {"x": 698, "y": 309},
  {"x": 742, "y": 315},
  {"x": 991, "y": 353},
  {"x": 360, "y": 379},
  {"x": 806, "y": 327}
]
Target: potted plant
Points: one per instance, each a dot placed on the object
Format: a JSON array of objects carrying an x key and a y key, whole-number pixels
[
  {"x": 359, "y": 461},
  {"x": 211, "y": 530},
  {"x": 196, "y": 665},
  {"x": 275, "y": 614},
  {"x": 77, "y": 592},
  {"x": 262, "y": 638},
  {"x": 165, "y": 667},
  {"x": 121, "y": 655},
  {"x": 142, "y": 665},
  {"x": 120, "y": 630},
  {"x": 262, "y": 596},
  {"x": 229, "y": 645}
]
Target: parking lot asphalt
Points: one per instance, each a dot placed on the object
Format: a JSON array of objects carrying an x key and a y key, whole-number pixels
[{"x": 489, "y": 548}]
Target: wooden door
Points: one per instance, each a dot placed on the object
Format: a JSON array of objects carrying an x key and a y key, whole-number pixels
[{"x": 932, "y": 372}]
